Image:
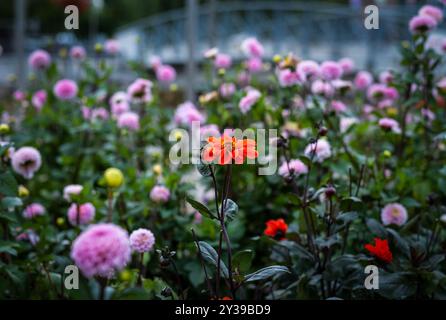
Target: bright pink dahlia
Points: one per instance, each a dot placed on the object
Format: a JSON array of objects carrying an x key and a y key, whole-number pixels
[
  {"x": 101, "y": 250},
  {"x": 71, "y": 190},
  {"x": 84, "y": 213},
  {"x": 363, "y": 79},
  {"x": 39, "y": 60},
  {"x": 222, "y": 61},
  {"x": 166, "y": 73},
  {"x": 65, "y": 89},
  {"x": 159, "y": 194},
  {"x": 33, "y": 210},
  {"x": 252, "y": 47},
  {"x": 142, "y": 240},
  {"x": 331, "y": 70},
  {"x": 254, "y": 64},
  {"x": 394, "y": 213},
  {"x": 26, "y": 161},
  {"x": 288, "y": 78}
]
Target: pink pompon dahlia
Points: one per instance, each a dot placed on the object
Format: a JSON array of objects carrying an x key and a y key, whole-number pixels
[
  {"x": 119, "y": 103},
  {"x": 421, "y": 24},
  {"x": 159, "y": 194},
  {"x": 129, "y": 120},
  {"x": 78, "y": 53},
  {"x": 251, "y": 97},
  {"x": 26, "y": 161},
  {"x": 222, "y": 61},
  {"x": 431, "y": 11},
  {"x": 362, "y": 80},
  {"x": 227, "y": 89},
  {"x": 82, "y": 213},
  {"x": 394, "y": 213},
  {"x": 321, "y": 150},
  {"x": 331, "y": 70},
  {"x": 309, "y": 69},
  {"x": 187, "y": 113},
  {"x": 112, "y": 46},
  {"x": 252, "y": 47},
  {"x": 166, "y": 74},
  {"x": 38, "y": 100},
  {"x": 140, "y": 90},
  {"x": 101, "y": 250},
  {"x": 288, "y": 78},
  {"x": 33, "y": 210},
  {"x": 72, "y": 190},
  {"x": 254, "y": 64},
  {"x": 65, "y": 89},
  {"x": 389, "y": 124},
  {"x": 293, "y": 168},
  {"x": 142, "y": 240},
  {"x": 39, "y": 60}
]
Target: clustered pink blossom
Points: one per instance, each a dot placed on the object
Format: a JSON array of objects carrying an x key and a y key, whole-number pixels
[
  {"x": 72, "y": 190},
  {"x": 309, "y": 69},
  {"x": 338, "y": 106},
  {"x": 394, "y": 213},
  {"x": 322, "y": 88},
  {"x": 431, "y": 11},
  {"x": 39, "y": 60},
  {"x": 331, "y": 70},
  {"x": 362, "y": 80},
  {"x": 140, "y": 90},
  {"x": 321, "y": 150},
  {"x": 78, "y": 53},
  {"x": 142, "y": 240},
  {"x": 82, "y": 213},
  {"x": 288, "y": 77},
  {"x": 420, "y": 24},
  {"x": 39, "y": 99},
  {"x": 65, "y": 89},
  {"x": 187, "y": 113},
  {"x": 101, "y": 250},
  {"x": 33, "y": 210},
  {"x": 159, "y": 194},
  {"x": 227, "y": 89},
  {"x": 254, "y": 64},
  {"x": 26, "y": 161},
  {"x": 389, "y": 124},
  {"x": 251, "y": 97},
  {"x": 294, "y": 167},
  {"x": 129, "y": 120},
  {"x": 119, "y": 103},
  {"x": 347, "y": 65},
  {"x": 165, "y": 73},
  {"x": 222, "y": 61},
  {"x": 251, "y": 47}
]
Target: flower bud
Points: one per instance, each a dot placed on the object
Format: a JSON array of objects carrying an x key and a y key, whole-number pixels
[
  {"x": 323, "y": 131},
  {"x": 23, "y": 192},
  {"x": 330, "y": 192},
  {"x": 157, "y": 169},
  {"x": 113, "y": 177},
  {"x": 4, "y": 128}
]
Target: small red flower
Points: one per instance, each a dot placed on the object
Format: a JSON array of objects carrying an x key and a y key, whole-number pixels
[
  {"x": 276, "y": 229},
  {"x": 380, "y": 250}
]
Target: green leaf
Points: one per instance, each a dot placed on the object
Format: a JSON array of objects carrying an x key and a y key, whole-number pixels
[
  {"x": 266, "y": 273},
  {"x": 243, "y": 259},
  {"x": 205, "y": 211},
  {"x": 211, "y": 256},
  {"x": 351, "y": 204},
  {"x": 8, "y": 184},
  {"x": 230, "y": 209},
  {"x": 376, "y": 228},
  {"x": 8, "y": 247}
]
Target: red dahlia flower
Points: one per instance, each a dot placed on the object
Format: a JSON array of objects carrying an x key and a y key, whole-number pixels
[
  {"x": 276, "y": 229},
  {"x": 226, "y": 149},
  {"x": 380, "y": 250}
]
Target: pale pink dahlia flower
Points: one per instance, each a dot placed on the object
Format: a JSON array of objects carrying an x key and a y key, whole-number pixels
[
  {"x": 227, "y": 89},
  {"x": 252, "y": 47},
  {"x": 321, "y": 150},
  {"x": 101, "y": 250},
  {"x": 39, "y": 59},
  {"x": 254, "y": 64},
  {"x": 142, "y": 240},
  {"x": 159, "y": 194},
  {"x": 309, "y": 69},
  {"x": 72, "y": 190},
  {"x": 129, "y": 120},
  {"x": 65, "y": 89},
  {"x": 331, "y": 70},
  {"x": 251, "y": 97},
  {"x": 347, "y": 65},
  {"x": 288, "y": 78},
  {"x": 140, "y": 90},
  {"x": 84, "y": 213},
  {"x": 187, "y": 113},
  {"x": 222, "y": 61},
  {"x": 431, "y": 11},
  {"x": 362, "y": 80},
  {"x": 78, "y": 53},
  {"x": 26, "y": 161},
  {"x": 389, "y": 124},
  {"x": 39, "y": 99},
  {"x": 33, "y": 210},
  {"x": 119, "y": 103},
  {"x": 394, "y": 213},
  {"x": 112, "y": 46},
  {"x": 294, "y": 168}
]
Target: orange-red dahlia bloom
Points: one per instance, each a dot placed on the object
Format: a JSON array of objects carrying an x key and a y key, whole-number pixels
[
  {"x": 228, "y": 150},
  {"x": 380, "y": 250},
  {"x": 276, "y": 229}
]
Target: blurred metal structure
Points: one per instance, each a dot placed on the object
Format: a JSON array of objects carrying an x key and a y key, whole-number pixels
[
  {"x": 19, "y": 41},
  {"x": 315, "y": 30}
]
